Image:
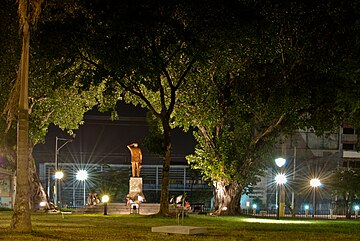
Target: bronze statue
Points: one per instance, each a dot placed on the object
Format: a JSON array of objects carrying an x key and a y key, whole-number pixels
[{"x": 136, "y": 159}]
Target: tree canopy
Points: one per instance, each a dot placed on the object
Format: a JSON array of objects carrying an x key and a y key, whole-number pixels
[{"x": 276, "y": 73}]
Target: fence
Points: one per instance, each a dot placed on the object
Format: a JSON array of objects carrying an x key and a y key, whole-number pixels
[{"x": 320, "y": 214}]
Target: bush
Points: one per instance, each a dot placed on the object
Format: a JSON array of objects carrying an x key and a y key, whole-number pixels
[{"x": 5, "y": 209}]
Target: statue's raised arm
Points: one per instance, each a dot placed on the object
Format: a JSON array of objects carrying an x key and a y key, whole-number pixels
[{"x": 136, "y": 159}]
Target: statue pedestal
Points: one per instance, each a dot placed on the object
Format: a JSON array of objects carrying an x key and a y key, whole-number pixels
[
  {"x": 135, "y": 196},
  {"x": 135, "y": 185}
]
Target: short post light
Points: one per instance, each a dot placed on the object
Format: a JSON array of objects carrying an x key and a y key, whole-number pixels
[
  {"x": 357, "y": 207},
  {"x": 314, "y": 183},
  {"x": 247, "y": 207},
  {"x": 254, "y": 206},
  {"x": 105, "y": 199},
  {"x": 306, "y": 210}
]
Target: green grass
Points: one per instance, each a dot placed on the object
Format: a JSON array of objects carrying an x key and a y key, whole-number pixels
[{"x": 135, "y": 227}]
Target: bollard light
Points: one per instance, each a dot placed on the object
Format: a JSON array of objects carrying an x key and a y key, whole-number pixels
[
  {"x": 307, "y": 207},
  {"x": 356, "y": 211},
  {"x": 105, "y": 199}
]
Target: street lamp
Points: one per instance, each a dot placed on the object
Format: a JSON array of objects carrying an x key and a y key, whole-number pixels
[
  {"x": 57, "y": 149},
  {"x": 280, "y": 161},
  {"x": 82, "y": 175},
  {"x": 105, "y": 200},
  {"x": 58, "y": 176},
  {"x": 314, "y": 183},
  {"x": 280, "y": 179}
]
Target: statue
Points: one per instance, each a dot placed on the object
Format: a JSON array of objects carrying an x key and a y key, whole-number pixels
[{"x": 136, "y": 159}]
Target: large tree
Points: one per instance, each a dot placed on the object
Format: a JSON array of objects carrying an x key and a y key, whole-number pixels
[
  {"x": 145, "y": 51},
  {"x": 279, "y": 76},
  {"x": 345, "y": 184},
  {"x": 29, "y": 11},
  {"x": 51, "y": 100}
]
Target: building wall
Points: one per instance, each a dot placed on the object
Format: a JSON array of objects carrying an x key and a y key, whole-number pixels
[
  {"x": 72, "y": 191},
  {"x": 308, "y": 156},
  {"x": 6, "y": 189}
]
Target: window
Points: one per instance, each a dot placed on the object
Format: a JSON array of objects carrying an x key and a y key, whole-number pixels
[{"x": 348, "y": 131}]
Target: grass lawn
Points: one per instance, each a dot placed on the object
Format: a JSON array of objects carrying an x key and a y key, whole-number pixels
[{"x": 136, "y": 227}]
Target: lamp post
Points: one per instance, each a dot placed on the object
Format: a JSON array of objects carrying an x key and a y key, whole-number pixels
[
  {"x": 58, "y": 176},
  {"x": 82, "y": 175},
  {"x": 280, "y": 179},
  {"x": 57, "y": 149},
  {"x": 105, "y": 200},
  {"x": 314, "y": 183}
]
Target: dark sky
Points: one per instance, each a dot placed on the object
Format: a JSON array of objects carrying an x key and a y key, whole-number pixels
[{"x": 102, "y": 140}]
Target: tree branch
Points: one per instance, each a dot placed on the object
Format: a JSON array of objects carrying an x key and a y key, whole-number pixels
[{"x": 268, "y": 130}]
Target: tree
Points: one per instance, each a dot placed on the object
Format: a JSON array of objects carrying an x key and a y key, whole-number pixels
[
  {"x": 345, "y": 184},
  {"x": 269, "y": 82},
  {"x": 113, "y": 183},
  {"x": 144, "y": 51},
  {"x": 50, "y": 102},
  {"x": 29, "y": 11}
]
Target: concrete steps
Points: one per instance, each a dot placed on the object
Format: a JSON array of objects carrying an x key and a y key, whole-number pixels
[{"x": 121, "y": 208}]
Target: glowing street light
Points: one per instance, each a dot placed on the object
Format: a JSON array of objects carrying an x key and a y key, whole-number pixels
[
  {"x": 82, "y": 175},
  {"x": 59, "y": 175},
  {"x": 280, "y": 179},
  {"x": 280, "y": 161},
  {"x": 314, "y": 183}
]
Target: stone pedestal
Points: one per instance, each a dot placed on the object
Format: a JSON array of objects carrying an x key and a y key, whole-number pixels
[{"x": 135, "y": 185}]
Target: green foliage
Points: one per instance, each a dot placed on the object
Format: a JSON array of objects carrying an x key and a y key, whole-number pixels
[
  {"x": 258, "y": 202},
  {"x": 345, "y": 183},
  {"x": 5, "y": 209},
  {"x": 154, "y": 140},
  {"x": 114, "y": 183}
]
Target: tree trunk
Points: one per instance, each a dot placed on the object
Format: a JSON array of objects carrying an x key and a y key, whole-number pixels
[
  {"x": 164, "y": 199},
  {"x": 348, "y": 208},
  {"x": 227, "y": 198},
  {"x": 21, "y": 219},
  {"x": 38, "y": 193}
]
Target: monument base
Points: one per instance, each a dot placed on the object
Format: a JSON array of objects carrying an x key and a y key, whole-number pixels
[
  {"x": 135, "y": 191},
  {"x": 135, "y": 185}
]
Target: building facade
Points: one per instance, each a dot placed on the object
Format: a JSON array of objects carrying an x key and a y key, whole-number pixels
[{"x": 7, "y": 188}]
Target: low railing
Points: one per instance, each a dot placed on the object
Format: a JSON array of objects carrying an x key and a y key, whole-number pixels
[{"x": 320, "y": 214}]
